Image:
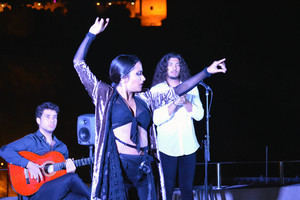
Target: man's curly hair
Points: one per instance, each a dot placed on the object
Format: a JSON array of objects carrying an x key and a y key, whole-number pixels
[{"x": 160, "y": 73}]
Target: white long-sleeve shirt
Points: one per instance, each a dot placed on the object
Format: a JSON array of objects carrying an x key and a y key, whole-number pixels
[{"x": 175, "y": 133}]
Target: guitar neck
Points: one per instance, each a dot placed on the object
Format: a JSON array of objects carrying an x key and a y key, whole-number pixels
[
  {"x": 83, "y": 161},
  {"x": 77, "y": 163}
]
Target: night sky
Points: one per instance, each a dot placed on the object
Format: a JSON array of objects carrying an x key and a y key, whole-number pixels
[{"x": 256, "y": 104}]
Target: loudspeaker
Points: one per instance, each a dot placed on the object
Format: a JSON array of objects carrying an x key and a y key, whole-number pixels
[{"x": 86, "y": 129}]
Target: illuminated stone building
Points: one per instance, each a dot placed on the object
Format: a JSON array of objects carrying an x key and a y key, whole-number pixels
[{"x": 150, "y": 12}]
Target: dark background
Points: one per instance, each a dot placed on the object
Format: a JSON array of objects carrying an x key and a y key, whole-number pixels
[{"x": 255, "y": 105}]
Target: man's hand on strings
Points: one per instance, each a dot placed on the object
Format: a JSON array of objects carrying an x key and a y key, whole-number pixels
[{"x": 35, "y": 171}]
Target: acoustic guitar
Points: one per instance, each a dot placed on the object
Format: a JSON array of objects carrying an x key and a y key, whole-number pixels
[{"x": 52, "y": 166}]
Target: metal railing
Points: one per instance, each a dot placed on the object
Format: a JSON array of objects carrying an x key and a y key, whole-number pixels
[{"x": 271, "y": 172}]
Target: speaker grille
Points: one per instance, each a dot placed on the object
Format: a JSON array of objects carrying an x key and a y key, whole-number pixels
[
  {"x": 86, "y": 129},
  {"x": 84, "y": 134}
]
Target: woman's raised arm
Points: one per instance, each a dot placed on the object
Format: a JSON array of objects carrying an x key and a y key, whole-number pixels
[
  {"x": 87, "y": 78},
  {"x": 98, "y": 27}
]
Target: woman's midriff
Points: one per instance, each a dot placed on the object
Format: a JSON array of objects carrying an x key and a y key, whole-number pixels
[{"x": 123, "y": 133}]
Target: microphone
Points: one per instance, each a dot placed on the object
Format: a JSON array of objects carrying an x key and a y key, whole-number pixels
[{"x": 205, "y": 85}]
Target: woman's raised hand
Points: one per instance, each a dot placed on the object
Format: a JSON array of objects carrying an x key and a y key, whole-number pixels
[
  {"x": 217, "y": 66},
  {"x": 99, "y": 26}
]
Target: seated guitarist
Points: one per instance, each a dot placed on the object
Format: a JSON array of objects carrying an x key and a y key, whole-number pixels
[{"x": 68, "y": 186}]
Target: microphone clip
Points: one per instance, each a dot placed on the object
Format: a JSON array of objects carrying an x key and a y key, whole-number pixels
[{"x": 205, "y": 85}]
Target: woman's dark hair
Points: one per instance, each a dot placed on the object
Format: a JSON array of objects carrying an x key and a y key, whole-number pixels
[
  {"x": 121, "y": 66},
  {"x": 160, "y": 73},
  {"x": 46, "y": 105}
]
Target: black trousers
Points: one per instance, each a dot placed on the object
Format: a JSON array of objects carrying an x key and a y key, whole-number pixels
[
  {"x": 184, "y": 166},
  {"x": 67, "y": 187},
  {"x": 136, "y": 182}
]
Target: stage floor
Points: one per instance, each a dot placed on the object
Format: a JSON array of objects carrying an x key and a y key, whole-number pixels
[{"x": 239, "y": 192}]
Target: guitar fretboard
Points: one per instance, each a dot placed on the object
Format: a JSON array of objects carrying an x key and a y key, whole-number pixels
[
  {"x": 78, "y": 163},
  {"x": 83, "y": 161}
]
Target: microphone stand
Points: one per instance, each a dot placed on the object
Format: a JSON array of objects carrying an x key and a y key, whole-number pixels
[{"x": 206, "y": 140}]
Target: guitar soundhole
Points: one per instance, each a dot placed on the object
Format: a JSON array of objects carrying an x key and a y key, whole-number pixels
[{"x": 48, "y": 168}]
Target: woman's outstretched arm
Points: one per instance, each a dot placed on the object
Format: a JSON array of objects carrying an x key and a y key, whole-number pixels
[{"x": 216, "y": 67}]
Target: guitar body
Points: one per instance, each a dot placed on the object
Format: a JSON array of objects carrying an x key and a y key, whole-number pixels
[{"x": 29, "y": 187}]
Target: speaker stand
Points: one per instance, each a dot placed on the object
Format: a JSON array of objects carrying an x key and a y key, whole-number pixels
[{"x": 91, "y": 157}]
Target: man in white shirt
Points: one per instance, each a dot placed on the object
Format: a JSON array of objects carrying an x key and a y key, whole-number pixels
[{"x": 173, "y": 118}]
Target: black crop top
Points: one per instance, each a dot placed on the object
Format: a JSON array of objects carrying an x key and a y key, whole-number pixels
[{"x": 122, "y": 115}]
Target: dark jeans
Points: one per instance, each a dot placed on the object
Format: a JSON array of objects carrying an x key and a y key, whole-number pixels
[
  {"x": 185, "y": 167},
  {"x": 135, "y": 181},
  {"x": 68, "y": 186}
]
